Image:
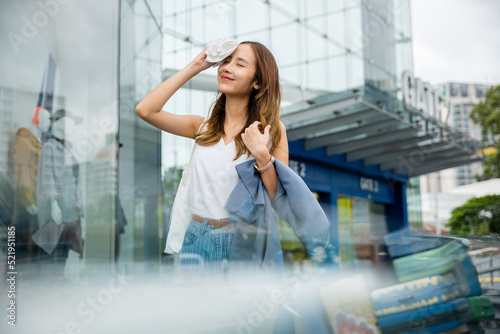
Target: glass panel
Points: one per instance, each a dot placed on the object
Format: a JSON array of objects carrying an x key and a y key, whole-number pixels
[
  {"x": 354, "y": 29},
  {"x": 290, "y": 75},
  {"x": 356, "y": 74},
  {"x": 314, "y": 7},
  {"x": 290, "y": 7},
  {"x": 217, "y": 21},
  {"x": 250, "y": 16},
  {"x": 280, "y": 17},
  {"x": 261, "y": 37},
  {"x": 181, "y": 23},
  {"x": 198, "y": 22},
  {"x": 316, "y": 75},
  {"x": 139, "y": 179},
  {"x": 60, "y": 172},
  {"x": 317, "y": 23},
  {"x": 414, "y": 203},
  {"x": 334, "y": 50},
  {"x": 338, "y": 71},
  {"x": 336, "y": 28},
  {"x": 285, "y": 52},
  {"x": 315, "y": 46},
  {"x": 338, "y": 5}
]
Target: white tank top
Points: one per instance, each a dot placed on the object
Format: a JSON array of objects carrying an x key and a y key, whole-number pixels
[{"x": 213, "y": 178}]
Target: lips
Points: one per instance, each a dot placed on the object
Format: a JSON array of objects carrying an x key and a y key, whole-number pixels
[{"x": 225, "y": 78}]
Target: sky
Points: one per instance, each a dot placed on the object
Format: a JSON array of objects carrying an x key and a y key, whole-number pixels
[{"x": 456, "y": 40}]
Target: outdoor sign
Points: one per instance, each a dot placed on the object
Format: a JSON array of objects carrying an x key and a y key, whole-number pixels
[{"x": 422, "y": 96}]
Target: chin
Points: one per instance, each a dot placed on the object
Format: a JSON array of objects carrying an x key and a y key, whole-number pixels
[{"x": 223, "y": 89}]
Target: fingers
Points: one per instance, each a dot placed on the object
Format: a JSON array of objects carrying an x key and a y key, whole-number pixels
[
  {"x": 202, "y": 55},
  {"x": 203, "y": 51},
  {"x": 257, "y": 126},
  {"x": 253, "y": 125},
  {"x": 200, "y": 60},
  {"x": 267, "y": 129}
]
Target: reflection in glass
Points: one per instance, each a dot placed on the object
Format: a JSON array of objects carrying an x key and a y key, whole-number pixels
[
  {"x": 25, "y": 158},
  {"x": 59, "y": 198},
  {"x": 362, "y": 224}
]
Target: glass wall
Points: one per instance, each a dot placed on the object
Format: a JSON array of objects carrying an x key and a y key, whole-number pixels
[
  {"x": 84, "y": 67},
  {"x": 139, "y": 237},
  {"x": 414, "y": 203},
  {"x": 58, "y": 112},
  {"x": 336, "y": 45}
]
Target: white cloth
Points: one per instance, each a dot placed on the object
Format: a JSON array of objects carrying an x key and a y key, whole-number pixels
[
  {"x": 213, "y": 178},
  {"x": 220, "y": 50}
]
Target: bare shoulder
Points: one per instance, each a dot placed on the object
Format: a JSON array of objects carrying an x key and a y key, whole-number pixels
[
  {"x": 284, "y": 139},
  {"x": 281, "y": 151},
  {"x": 282, "y": 127}
]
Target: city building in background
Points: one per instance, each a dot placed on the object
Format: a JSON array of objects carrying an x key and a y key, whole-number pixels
[
  {"x": 442, "y": 186},
  {"x": 463, "y": 96},
  {"x": 361, "y": 128}
]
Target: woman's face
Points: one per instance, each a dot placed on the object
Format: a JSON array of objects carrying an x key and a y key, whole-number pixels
[{"x": 236, "y": 74}]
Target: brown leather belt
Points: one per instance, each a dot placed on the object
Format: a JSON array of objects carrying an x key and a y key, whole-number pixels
[{"x": 212, "y": 222}]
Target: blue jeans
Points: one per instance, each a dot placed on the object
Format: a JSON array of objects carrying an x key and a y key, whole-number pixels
[{"x": 206, "y": 247}]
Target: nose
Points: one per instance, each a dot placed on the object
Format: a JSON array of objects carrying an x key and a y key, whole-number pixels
[{"x": 226, "y": 67}]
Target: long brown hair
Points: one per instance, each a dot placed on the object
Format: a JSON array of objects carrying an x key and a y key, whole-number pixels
[{"x": 263, "y": 106}]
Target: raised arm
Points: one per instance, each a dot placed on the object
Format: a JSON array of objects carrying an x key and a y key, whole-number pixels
[{"x": 150, "y": 108}]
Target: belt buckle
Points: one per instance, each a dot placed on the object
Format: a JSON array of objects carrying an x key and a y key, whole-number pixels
[{"x": 218, "y": 220}]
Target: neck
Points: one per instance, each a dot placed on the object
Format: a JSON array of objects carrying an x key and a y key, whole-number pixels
[{"x": 236, "y": 111}]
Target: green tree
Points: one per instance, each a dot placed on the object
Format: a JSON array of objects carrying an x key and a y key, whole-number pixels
[
  {"x": 487, "y": 115},
  {"x": 478, "y": 216}
]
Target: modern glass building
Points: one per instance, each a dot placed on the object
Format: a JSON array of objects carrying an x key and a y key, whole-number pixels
[{"x": 356, "y": 135}]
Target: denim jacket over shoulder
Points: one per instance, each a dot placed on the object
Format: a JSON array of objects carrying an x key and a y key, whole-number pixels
[{"x": 257, "y": 238}]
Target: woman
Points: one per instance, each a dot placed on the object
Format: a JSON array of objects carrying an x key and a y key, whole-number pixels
[{"x": 244, "y": 124}]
